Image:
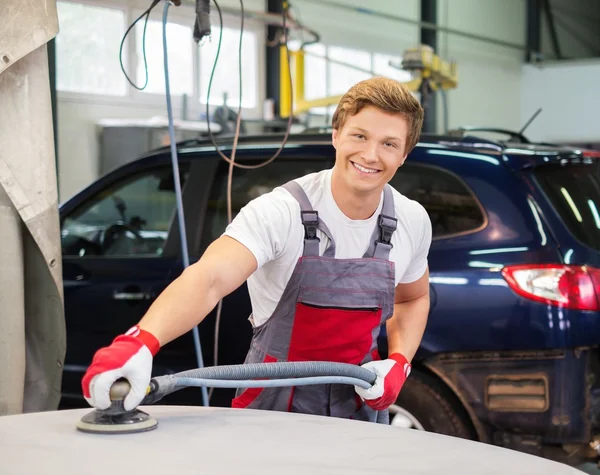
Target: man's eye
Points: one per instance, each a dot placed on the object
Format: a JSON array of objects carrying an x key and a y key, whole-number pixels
[{"x": 390, "y": 144}]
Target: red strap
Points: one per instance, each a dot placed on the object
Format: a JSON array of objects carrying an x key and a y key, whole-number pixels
[{"x": 145, "y": 337}]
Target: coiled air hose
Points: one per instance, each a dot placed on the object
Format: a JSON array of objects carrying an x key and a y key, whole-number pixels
[{"x": 265, "y": 375}]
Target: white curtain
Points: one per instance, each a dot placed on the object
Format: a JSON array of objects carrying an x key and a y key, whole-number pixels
[{"x": 32, "y": 329}]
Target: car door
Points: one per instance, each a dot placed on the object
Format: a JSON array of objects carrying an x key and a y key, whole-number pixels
[{"x": 114, "y": 264}]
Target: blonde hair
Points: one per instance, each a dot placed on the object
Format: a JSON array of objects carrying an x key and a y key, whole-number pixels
[{"x": 386, "y": 94}]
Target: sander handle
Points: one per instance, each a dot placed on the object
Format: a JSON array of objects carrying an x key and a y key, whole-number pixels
[{"x": 120, "y": 389}]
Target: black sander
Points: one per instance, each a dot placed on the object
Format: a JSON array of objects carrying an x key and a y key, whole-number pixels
[{"x": 115, "y": 419}]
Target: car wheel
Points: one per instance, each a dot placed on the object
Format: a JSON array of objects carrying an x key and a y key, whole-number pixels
[{"x": 426, "y": 404}]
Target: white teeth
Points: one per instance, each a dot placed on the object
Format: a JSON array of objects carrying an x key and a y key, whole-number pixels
[{"x": 363, "y": 169}]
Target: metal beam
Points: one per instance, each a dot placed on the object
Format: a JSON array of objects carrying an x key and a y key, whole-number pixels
[
  {"x": 419, "y": 23},
  {"x": 533, "y": 30},
  {"x": 273, "y": 56},
  {"x": 553, "y": 35},
  {"x": 429, "y": 37}
]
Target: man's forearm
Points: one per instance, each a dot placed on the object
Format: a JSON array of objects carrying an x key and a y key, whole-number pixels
[
  {"x": 406, "y": 327},
  {"x": 225, "y": 265}
]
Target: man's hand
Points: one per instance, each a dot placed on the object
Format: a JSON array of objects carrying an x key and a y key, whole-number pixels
[
  {"x": 129, "y": 356},
  {"x": 391, "y": 375}
]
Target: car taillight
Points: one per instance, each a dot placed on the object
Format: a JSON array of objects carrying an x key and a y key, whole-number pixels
[
  {"x": 574, "y": 287},
  {"x": 591, "y": 153}
]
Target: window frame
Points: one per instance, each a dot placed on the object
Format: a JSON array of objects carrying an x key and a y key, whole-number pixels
[
  {"x": 464, "y": 184},
  {"x": 175, "y": 16},
  {"x": 73, "y": 96},
  {"x": 117, "y": 183},
  {"x": 184, "y": 15},
  {"x": 327, "y": 112}
]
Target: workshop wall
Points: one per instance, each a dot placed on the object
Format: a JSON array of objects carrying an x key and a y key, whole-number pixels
[
  {"x": 489, "y": 75},
  {"x": 569, "y": 96},
  {"x": 341, "y": 23}
]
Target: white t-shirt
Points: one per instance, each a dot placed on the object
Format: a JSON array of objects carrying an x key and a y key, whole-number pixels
[{"x": 271, "y": 228}]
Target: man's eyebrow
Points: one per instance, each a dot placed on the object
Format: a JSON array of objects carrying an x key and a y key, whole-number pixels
[{"x": 390, "y": 137}]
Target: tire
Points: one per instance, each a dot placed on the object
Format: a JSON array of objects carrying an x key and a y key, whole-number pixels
[{"x": 425, "y": 403}]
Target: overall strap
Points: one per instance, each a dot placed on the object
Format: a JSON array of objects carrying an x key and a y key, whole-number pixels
[
  {"x": 381, "y": 241},
  {"x": 311, "y": 222}
]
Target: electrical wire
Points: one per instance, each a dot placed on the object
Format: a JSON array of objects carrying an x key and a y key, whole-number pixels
[
  {"x": 175, "y": 164},
  {"x": 231, "y": 160},
  {"x": 290, "y": 118},
  {"x": 147, "y": 15}
]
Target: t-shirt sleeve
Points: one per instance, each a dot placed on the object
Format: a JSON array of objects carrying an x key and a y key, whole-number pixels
[
  {"x": 422, "y": 240},
  {"x": 262, "y": 226}
]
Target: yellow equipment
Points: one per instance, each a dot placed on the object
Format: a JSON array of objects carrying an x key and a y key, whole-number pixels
[{"x": 428, "y": 69}]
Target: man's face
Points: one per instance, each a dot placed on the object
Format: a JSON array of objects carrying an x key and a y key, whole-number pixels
[{"x": 370, "y": 147}]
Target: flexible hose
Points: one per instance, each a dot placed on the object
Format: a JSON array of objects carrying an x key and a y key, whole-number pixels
[
  {"x": 266, "y": 375},
  {"x": 174, "y": 161},
  {"x": 270, "y": 383},
  {"x": 270, "y": 375}
]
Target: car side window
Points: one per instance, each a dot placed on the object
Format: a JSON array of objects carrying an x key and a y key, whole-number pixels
[
  {"x": 248, "y": 184},
  {"x": 452, "y": 207},
  {"x": 130, "y": 218}
]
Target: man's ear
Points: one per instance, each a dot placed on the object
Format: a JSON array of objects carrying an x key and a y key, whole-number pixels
[{"x": 334, "y": 136}]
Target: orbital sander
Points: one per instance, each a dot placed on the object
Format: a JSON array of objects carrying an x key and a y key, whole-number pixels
[{"x": 115, "y": 419}]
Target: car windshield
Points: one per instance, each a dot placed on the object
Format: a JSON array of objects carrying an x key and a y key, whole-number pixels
[{"x": 574, "y": 191}]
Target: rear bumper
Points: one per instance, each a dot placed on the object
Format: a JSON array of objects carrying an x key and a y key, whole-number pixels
[{"x": 551, "y": 397}]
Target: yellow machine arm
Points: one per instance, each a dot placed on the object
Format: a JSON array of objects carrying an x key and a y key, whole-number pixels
[{"x": 421, "y": 61}]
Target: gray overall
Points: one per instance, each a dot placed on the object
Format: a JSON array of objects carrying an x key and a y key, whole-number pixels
[{"x": 331, "y": 310}]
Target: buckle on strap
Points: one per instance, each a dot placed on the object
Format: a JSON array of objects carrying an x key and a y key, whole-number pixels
[
  {"x": 387, "y": 225},
  {"x": 310, "y": 220}
]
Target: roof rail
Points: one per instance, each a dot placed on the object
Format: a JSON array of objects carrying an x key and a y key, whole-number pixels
[{"x": 513, "y": 136}]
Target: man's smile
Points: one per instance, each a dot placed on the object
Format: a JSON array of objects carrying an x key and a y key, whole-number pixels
[{"x": 363, "y": 169}]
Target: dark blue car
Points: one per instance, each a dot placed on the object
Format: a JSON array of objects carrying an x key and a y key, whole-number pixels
[{"x": 510, "y": 353}]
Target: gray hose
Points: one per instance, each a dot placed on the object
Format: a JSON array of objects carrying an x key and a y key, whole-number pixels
[
  {"x": 264, "y": 375},
  {"x": 241, "y": 376},
  {"x": 270, "y": 383},
  {"x": 301, "y": 369}
]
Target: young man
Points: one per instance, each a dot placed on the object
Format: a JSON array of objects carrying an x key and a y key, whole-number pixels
[{"x": 329, "y": 258}]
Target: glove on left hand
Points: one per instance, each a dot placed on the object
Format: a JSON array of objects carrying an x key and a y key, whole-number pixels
[{"x": 391, "y": 375}]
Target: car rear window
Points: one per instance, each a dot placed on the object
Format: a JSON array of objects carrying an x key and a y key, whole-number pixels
[{"x": 574, "y": 191}]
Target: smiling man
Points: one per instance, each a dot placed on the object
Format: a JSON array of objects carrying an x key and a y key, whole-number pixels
[{"x": 329, "y": 259}]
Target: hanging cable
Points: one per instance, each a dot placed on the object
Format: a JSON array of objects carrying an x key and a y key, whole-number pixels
[
  {"x": 175, "y": 164},
  {"x": 231, "y": 160},
  {"x": 147, "y": 15},
  {"x": 290, "y": 118}
]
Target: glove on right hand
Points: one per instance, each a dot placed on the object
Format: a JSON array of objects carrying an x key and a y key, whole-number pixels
[{"x": 130, "y": 357}]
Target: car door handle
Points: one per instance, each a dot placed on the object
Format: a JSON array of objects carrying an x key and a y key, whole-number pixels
[{"x": 131, "y": 296}]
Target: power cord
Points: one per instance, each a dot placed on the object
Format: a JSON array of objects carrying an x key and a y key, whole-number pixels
[
  {"x": 178, "y": 194},
  {"x": 231, "y": 160},
  {"x": 147, "y": 15}
]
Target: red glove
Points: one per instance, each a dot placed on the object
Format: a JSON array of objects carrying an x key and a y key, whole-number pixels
[
  {"x": 391, "y": 375},
  {"x": 129, "y": 356}
]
